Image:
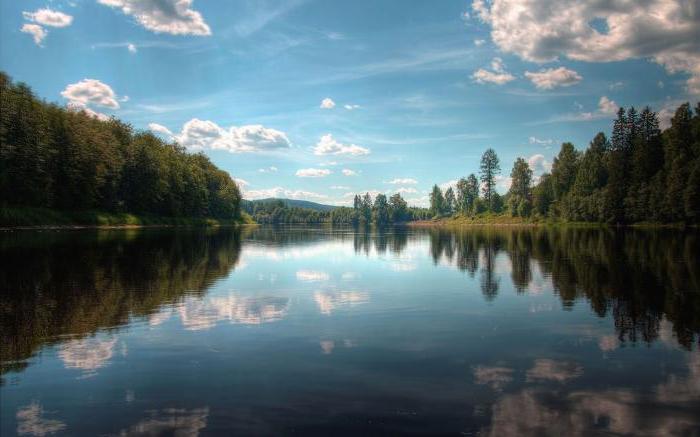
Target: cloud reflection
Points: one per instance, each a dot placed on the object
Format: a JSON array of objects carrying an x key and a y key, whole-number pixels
[
  {"x": 198, "y": 314},
  {"x": 312, "y": 276},
  {"x": 551, "y": 370},
  {"x": 494, "y": 377},
  {"x": 329, "y": 301},
  {"x": 170, "y": 421},
  {"x": 30, "y": 421},
  {"x": 88, "y": 354}
]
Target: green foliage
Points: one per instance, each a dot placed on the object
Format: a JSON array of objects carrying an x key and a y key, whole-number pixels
[
  {"x": 519, "y": 199},
  {"x": 437, "y": 201},
  {"x": 55, "y": 158}
]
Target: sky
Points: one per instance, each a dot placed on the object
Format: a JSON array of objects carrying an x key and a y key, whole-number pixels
[{"x": 322, "y": 99}]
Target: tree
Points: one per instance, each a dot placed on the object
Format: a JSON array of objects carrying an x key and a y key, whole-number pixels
[
  {"x": 398, "y": 208},
  {"x": 490, "y": 167},
  {"x": 437, "y": 201},
  {"x": 450, "y": 201},
  {"x": 519, "y": 199},
  {"x": 381, "y": 210},
  {"x": 564, "y": 170},
  {"x": 366, "y": 216}
]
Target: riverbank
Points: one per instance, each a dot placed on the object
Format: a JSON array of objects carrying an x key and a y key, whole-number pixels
[
  {"x": 43, "y": 218},
  {"x": 506, "y": 220}
]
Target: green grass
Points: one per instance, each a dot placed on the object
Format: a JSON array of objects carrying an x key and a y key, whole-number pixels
[{"x": 42, "y": 217}]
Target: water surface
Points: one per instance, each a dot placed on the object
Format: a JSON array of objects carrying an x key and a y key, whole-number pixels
[{"x": 336, "y": 331}]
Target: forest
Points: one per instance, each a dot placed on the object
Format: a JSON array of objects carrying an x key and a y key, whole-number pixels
[
  {"x": 56, "y": 159},
  {"x": 641, "y": 174},
  {"x": 59, "y": 159}
]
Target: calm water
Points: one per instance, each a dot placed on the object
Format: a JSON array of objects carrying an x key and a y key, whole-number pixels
[{"x": 319, "y": 331}]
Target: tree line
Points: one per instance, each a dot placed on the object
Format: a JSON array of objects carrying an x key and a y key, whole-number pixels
[
  {"x": 52, "y": 157},
  {"x": 640, "y": 174}
]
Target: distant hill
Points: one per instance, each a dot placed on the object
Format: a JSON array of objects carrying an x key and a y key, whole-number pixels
[{"x": 292, "y": 203}]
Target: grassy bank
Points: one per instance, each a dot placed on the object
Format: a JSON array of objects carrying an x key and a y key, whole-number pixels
[
  {"x": 42, "y": 217},
  {"x": 507, "y": 220}
]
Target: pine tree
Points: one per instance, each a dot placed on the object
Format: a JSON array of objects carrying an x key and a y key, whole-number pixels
[{"x": 490, "y": 167}]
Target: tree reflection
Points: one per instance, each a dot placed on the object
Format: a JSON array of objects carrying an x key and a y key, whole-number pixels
[
  {"x": 638, "y": 276},
  {"x": 76, "y": 283}
]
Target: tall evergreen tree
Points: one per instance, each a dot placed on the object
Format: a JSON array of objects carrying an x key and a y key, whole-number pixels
[
  {"x": 437, "y": 201},
  {"x": 490, "y": 168}
]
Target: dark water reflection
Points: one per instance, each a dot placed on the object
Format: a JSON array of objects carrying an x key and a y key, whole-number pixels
[{"x": 519, "y": 331}]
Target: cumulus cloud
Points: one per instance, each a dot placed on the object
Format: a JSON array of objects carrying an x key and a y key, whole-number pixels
[
  {"x": 339, "y": 187},
  {"x": 549, "y": 78},
  {"x": 270, "y": 169},
  {"x": 496, "y": 377},
  {"x": 37, "y": 32},
  {"x": 91, "y": 92},
  {"x": 199, "y": 134},
  {"x": 282, "y": 192},
  {"x": 131, "y": 48},
  {"x": 175, "y": 17},
  {"x": 497, "y": 76},
  {"x": 667, "y": 31},
  {"x": 327, "y": 145},
  {"x": 160, "y": 129},
  {"x": 348, "y": 172},
  {"x": 539, "y": 164},
  {"x": 403, "y": 181},
  {"x": 48, "y": 17},
  {"x": 327, "y": 103},
  {"x": 351, "y": 107},
  {"x": 313, "y": 172},
  {"x": 479, "y": 42}
]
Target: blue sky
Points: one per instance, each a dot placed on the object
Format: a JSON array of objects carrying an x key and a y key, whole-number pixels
[{"x": 416, "y": 90}]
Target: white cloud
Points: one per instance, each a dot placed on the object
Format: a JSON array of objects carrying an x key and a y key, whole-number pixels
[
  {"x": 160, "y": 129},
  {"x": 348, "y": 172},
  {"x": 498, "y": 76},
  {"x": 403, "y": 181},
  {"x": 607, "y": 106},
  {"x": 78, "y": 107},
  {"x": 37, "y": 32},
  {"x": 667, "y": 31},
  {"x": 241, "y": 182},
  {"x": 616, "y": 85},
  {"x": 91, "y": 92},
  {"x": 175, "y": 17},
  {"x": 312, "y": 172},
  {"x": 339, "y": 187},
  {"x": 406, "y": 190},
  {"x": 131, "y": 48},
  {"x": 270, "y": 169},
  {"x": 539, "y": 164},
  {"x": 327, "y": 103},
  {"x": 205, "y": 134},
  {"x": 479, "y": 42},
  {"x": 327, "y": 145},
  {"x": 542, "y": 142},
  {"x": 48, "y": 17},
  {"x": 284, "y": 193},
  {"x": 549, "y": 78},
  {"x": 351, "y": 107}
]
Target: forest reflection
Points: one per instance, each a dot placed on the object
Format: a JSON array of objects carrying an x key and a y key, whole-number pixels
[{"x": 58, "y": 285}]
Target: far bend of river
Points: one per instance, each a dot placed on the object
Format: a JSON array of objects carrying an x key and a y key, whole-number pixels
[{"x": 320, "y": 331}]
